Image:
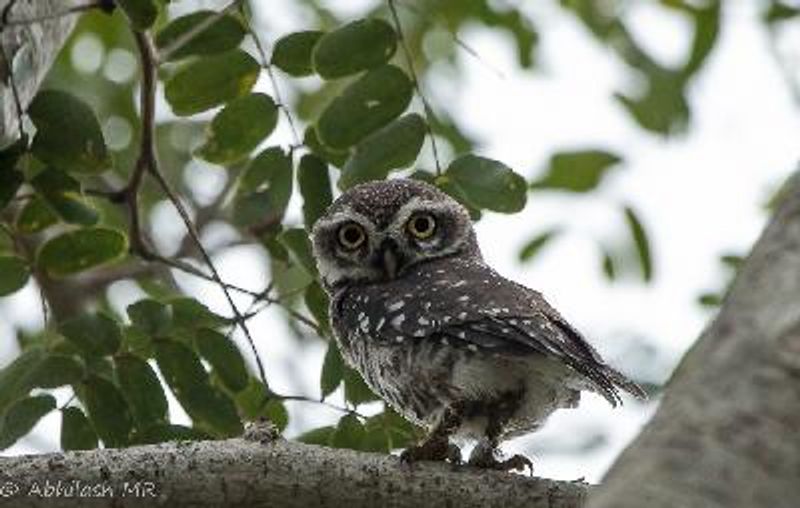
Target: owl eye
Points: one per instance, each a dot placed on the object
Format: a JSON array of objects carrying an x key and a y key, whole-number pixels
[
  {"x": 422, "y": 226},
  {"x": 351, "y": 236}
]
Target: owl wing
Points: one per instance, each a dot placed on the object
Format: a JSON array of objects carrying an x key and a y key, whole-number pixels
[{"x": 542, "y": 332}]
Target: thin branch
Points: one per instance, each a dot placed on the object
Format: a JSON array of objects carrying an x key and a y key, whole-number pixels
[
  {"x": 303, "y": 398},
  {"x": 429, "y": 114},
  {"x": 77, "y": 9},
  {"x": 148, "y": 159},
  {"x": 184, "y": 39},
  {"x": 271, "y": 73}
]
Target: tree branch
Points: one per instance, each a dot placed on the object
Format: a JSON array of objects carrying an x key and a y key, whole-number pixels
[
  {"x": 726, "y": 432},
  {"x": 279, "y": 473}
]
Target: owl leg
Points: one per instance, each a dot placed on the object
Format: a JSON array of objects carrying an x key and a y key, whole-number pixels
[
  {"x": 485, "y": 454},
  {"x": 436, "y": 446}
]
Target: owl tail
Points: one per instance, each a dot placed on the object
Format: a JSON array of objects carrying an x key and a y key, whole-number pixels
[{"x": 609, "y": 381}]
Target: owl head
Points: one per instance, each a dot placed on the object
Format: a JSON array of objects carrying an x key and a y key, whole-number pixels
[{"x": 377, "y": 231}]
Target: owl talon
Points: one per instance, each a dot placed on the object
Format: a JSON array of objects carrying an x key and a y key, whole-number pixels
[
  {"x": 433, "y": 450},
  {"x": 483, "y": 456}
]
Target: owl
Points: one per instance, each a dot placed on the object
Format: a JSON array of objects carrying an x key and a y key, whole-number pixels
[{"x": 439, "y": 335}]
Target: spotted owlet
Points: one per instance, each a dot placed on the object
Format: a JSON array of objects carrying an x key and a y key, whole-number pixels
[{"x": 445, "y": 340}]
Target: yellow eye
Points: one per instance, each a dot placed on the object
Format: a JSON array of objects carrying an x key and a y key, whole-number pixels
[
  {"x": 422, "y": 226},
  {"x": 351, "y": 236}
]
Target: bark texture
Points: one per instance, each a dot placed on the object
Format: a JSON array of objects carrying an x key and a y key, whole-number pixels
[
  {"x": 29, "y": 50},
  {"x": 276, "y": 473},
  {"x": 726, "y": 434}
]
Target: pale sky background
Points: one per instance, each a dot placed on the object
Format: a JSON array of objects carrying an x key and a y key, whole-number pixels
[{"x": 700, "y": 195}]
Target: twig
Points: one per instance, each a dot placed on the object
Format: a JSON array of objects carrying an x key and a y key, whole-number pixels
[
  {"x": 77, "y": 9},
  {"x": 429, "y": 114},
  {"x": 273, "y": 80},
  {"x": 303, "y": 398},
  {"x": 148, "y": 160},
  {"x": 184, "y": 39}
]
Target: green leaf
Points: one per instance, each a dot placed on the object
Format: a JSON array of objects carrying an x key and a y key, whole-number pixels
[
  {"x": 270, "y": 177},
  {"x": 535, "y": 245},
  {"x": 320, "y": 436},
  {"x": 188, "y": 380},
  {"x": 779, "y": 11},
  {"x": 641, "y": 242},
  {"x": 35, "y": 216},
  {"x": 332, "y": 371},
  {"x": 68, "y": 135},
  {"x": 22, "y": 416},
  {"x": 79, "y": 250},
  {"x": 277, "y": 414},
  {"x": 108, "y": 411},
  {"x": 488, "y": 183},
  {"x": 315, "y": 187},
  {"x": 10, "y": 182},
  {"x": 292, "y": 53},
  {"x": 253, "y": 400},
  {"x": 349, "y": 433},
  {"x": 356, "y": 390},
  {"x": 224, "y": 34},
  {"x": 448, "y": 187},
  {"x": 14, "y": 274},
  {"x": 63, "y": 194},
  {"x": 299, "y": 246},
  {"x": 15, "y": 377},
  {"x": 55, "y": 370},
  {"x": 95, "y": 334},
  {"x": 317, "y": 302},
  {"x": 388, "y": 431},
  {"x": 151, "y": 316},
  {"x": 710, "y": 299},
  {"x": 609, "y": 266},
  {"x": 164, "y": 432},
  {"x": 224, "y": 357},
  {"x": 395, "y": 146},
  {"x": 336, "y": 158},
  {"x": 141, "y": 13},
  {"x": 142, "y": 390},
  {"x": 190, "y": 314},
  {"x": 211, "y": 81},
  {"x": 76, "y": 431},
  {"x": 578, "y": 171},
  {"x": 365, "y": 106},
  {"x": 354, "y": 47},
  {"x": 236, "y": 130}
]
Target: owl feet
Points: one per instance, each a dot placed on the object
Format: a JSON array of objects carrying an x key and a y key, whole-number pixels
[
  {"x": 484, "y": 456},
  {"x": 432, "y": 449}
]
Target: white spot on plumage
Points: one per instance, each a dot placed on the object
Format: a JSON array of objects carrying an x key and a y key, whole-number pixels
[
  {"x": 473, "y": 348},
  {"x": 462, "y": 315},
  {"x": 398, "y": 320},
  {"x": 423, "y": 321},
  {"x": 396, "y": 305},
  {"x": 463, "y": 298},
  {"x": 459, "y": 283},
  {"x": 380, "y": 324},
  {"x": 399, "y": 339}
]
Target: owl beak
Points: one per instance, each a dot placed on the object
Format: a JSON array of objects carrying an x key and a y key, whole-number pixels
[{"x": 389, "y": 259}]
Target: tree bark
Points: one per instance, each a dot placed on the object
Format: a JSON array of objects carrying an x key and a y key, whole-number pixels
[
  {"x": 275, "y": 473},
  {"x": 726, "y": 434},
  {"x": 28, "y": 51}
]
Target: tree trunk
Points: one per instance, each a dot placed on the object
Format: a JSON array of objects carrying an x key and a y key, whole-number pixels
[
  {"x": 28, "y": 51},
  {"x": 728, "y": 431},
  {"x": 276, "y": 473}
]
